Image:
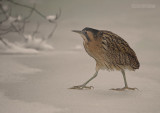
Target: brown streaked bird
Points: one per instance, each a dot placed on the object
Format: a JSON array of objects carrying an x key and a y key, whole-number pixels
[{"x": 110, "y": 52}]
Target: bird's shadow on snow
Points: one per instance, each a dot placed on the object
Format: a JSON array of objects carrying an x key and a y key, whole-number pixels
[{"x": 116, "y": 94}]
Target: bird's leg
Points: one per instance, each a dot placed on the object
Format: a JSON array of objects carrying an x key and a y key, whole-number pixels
[
  {"x": 83, "y": 86},
  {"x": 125, "y": 82},
  {"x": 124, "y": 77}
]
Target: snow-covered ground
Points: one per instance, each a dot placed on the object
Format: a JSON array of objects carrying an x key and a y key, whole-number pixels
[
  {"x": 39, "y": 84},
  {"x": 33, "y": 81}
]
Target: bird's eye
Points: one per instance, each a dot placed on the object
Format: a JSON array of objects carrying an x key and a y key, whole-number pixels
[{"x": 84, "y": 31}]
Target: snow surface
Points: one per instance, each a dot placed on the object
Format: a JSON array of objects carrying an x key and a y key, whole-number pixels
[
  {"x": 29, "y": 45},
  {"x": 36, "y": 43},
  {"x": 39, "y": 84}
]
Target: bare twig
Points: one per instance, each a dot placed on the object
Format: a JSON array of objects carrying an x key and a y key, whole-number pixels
[
  {"x": 6, "y": 31},
  {"x": 36, "y": 30},
  {"x": 23, "y": 25},
  {"x": 18, "y": 25},
  {"x": 4, "y": 13},
  {"x": 17, "y": 30},
  {"x": 55, "y": 24},
  {"x": 29, "y": 7},
  {"x": 52, "y": 32},
  {"x": 31, "y": 12},
  {"x": 58, "y": 14},
  {"x": 13, "y": 27},
  {"x": 5, "y": 43}
]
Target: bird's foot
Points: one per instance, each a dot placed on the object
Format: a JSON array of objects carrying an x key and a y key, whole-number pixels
[
  {"x": 81, "y": 87},
  {"x": 124, "y": 88}
]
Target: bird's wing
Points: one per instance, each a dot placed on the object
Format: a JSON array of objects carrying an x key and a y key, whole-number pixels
[{"x": 118, "y": 50}]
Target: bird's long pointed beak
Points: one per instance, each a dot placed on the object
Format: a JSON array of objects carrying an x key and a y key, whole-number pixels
[{"x": 77, "y": 31}]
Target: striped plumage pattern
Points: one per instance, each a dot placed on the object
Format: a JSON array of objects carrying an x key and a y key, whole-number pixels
[{"x": 110, "y": 51}]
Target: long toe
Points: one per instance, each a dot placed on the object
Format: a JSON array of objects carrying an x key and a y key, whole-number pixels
[
  {"x": 80, "y": 87},
  {"x": 124, "y": 88},
  {"x": 128, "y": 88},
  {"x": 118, "y": 89}
]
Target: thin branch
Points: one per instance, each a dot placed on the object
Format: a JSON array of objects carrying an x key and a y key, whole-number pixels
[
  {"x": 6, "y": 32},
  {"x": 36, "y": 30},
  {"x": 5, "y": 43},
  {"x": 31, "y": 12},
  {"x": 52, "y": 32},
  {"x": 29, "y": 7},
  {"x": 2, "y": 29},
  {"x": 23, "y": 26},
  {"x": 58, "y": 14},
  {"x": 18, "y": 25},
  {"x": 4, "y": 13},
  {"x": 17, "y": 30},
  {"x": 6, "y": 29},
  {"x": 24, "y": 21},
  {"x": 55, "y": 23}
]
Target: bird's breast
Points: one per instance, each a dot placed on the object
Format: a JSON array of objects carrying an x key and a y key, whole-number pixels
[{"x": 93, "y": 49}]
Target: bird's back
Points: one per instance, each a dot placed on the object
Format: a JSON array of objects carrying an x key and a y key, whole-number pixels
[{"x": 111, "y": 52}]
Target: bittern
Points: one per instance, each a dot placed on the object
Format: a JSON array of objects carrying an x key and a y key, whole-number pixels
[{"x": 110, "y": 52}]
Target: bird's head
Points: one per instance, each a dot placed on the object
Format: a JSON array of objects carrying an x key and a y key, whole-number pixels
[{"x": 88, "y": 34}]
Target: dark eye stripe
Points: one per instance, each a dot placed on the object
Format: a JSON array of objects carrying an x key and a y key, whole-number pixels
[{"x": 87, "y": 36}]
